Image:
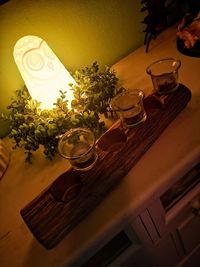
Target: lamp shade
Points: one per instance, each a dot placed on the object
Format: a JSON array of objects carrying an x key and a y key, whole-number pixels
[{"x": 43, "y": 73}]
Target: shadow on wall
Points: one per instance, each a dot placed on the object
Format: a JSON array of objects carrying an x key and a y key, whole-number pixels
[{"x": 79, "y": 32}]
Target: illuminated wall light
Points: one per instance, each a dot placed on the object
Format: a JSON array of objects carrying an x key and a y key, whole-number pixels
[{"x": 43, "y": 73}]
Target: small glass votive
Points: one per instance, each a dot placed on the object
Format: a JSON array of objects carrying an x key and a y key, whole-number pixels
[
  {"x": 78, "y": 146},
  {"x": 164, "y": 75},
  {"x": 129, "y": 106}
]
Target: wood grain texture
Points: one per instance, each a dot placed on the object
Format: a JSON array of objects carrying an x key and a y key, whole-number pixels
[{"x": 53, "y": 214}]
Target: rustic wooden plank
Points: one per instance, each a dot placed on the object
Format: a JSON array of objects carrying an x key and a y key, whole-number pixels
[{"x": 60, "y": 207}]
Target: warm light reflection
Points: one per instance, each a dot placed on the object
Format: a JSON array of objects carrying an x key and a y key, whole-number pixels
[{"x": 43, "y": 73}]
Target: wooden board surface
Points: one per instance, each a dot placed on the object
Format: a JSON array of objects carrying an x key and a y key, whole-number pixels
[{"x": 60, "y": 207}]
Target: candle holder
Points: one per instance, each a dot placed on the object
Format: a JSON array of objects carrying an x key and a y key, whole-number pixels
[
  {"x": 75, "y": 193},
  {"x": 78, "y": 146},
  {"x": 164, "y": 75},
  {"x": 130, "y": 108}
]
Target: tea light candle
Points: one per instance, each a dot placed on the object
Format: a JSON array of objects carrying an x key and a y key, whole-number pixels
[
  {"x": 130, "y": 107},
  {"x": 78, "y": 146}
]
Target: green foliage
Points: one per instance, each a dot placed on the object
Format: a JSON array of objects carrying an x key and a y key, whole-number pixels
[
  {"x": 32, "y": 127},
  {"x": 95, "y": 89}
]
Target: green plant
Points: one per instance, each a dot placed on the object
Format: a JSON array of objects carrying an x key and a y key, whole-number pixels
[
  {"x": 31, "y": 127},
  {"x": 95, "y": 89}
]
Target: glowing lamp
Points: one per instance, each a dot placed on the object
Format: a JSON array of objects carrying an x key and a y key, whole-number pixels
[{"x": 43, "y": 73}]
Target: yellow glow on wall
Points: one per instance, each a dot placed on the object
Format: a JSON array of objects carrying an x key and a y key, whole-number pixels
[{"x": 43, "y": 73}]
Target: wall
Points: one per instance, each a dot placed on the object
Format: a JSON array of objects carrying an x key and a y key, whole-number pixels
[{"x": 79, "y": 32}]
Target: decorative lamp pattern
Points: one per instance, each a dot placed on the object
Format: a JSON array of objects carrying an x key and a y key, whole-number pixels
[{"x": 43, "y": 73}]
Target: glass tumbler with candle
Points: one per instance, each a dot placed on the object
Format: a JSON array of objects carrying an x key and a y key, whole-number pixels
[
  {"x": 78, "y": 146},
  {"x": 164, "y": 75},
  {"x": 129, "y": 106}
]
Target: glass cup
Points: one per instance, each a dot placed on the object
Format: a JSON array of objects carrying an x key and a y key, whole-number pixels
[
  {"x": 78, "y": 146},
  {"x": 129, "y": 106},
  {"x": 164, "y": 75}
]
